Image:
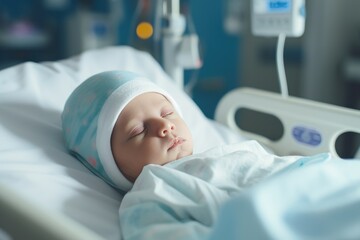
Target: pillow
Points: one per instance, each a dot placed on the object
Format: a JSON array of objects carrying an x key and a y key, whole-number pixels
[{"x": 33, "y": 159}]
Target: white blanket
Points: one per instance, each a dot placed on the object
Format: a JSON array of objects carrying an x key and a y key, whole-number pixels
[
  {"x": 315, "y": 198},
  {"x": 220, "y": 194},
  {"x": 181, "y": 199}
]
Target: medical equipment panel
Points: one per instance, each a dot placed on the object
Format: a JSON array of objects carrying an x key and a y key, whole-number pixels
[{"x": 273, "y": 17}]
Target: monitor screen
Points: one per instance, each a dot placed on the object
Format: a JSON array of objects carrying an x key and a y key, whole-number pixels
[{"x": 272, "y": 6}]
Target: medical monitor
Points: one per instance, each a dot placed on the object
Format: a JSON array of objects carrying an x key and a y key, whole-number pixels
[{"x": 275, "y": 17}]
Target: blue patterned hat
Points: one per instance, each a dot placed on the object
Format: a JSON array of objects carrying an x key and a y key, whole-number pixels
[{"x": 90, "y": 114}]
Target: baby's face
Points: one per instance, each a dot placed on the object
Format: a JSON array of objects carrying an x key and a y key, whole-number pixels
[{"x": 149, "y": 131}]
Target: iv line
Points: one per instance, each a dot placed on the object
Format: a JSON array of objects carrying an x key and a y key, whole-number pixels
[{"x": 280, "y": 65}]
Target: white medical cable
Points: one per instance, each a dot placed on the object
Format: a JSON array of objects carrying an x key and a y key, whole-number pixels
[{"x": 280, "y": 65}]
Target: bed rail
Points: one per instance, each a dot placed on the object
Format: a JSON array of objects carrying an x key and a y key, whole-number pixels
[{"x": 309, "y": 127}]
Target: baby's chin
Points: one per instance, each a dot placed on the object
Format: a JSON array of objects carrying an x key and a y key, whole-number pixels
[
  {"x": 183, "y": 154},
  {"x": 179, "y": 156}
]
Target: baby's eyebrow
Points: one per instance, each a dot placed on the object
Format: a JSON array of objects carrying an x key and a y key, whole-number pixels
[{"x": 167, "y": 102}]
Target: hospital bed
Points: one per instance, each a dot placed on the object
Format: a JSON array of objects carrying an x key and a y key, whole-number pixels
[{"x": 45, "y": 193}]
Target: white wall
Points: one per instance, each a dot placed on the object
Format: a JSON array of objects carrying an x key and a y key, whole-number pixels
[{"x": 332, "y": 27}]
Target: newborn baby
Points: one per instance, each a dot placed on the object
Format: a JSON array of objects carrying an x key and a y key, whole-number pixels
[{"x": 117, "y": 122}]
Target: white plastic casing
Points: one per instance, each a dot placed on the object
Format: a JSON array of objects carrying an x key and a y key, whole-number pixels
[
  {"x": 273, "y": 17},
  {"x": 309, "y": 127}
]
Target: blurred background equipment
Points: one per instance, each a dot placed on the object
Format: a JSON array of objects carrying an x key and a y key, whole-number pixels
[
  {"x": 164, "y": 28},
  {"x": 281, "y": 19},
  {"x": 319, "y": 64},
  {"x": 93, "y": 25},
  {"x": 179, "y": 51}
]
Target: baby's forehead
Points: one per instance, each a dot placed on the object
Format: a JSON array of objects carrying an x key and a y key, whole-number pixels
[
  {"x": 149, "y": 97},
  {"x": 142, "y": 103}
]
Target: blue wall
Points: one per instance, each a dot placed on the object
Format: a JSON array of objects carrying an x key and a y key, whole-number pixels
[{"x": 220, "y": 71}]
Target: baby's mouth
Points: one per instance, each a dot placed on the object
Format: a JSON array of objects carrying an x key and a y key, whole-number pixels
[{"x": 176, "y": 142}]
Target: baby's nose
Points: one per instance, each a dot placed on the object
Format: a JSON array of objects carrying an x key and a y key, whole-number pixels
[{"x": 165, "y": 127}]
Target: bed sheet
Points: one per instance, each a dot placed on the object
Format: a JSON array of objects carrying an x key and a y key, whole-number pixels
[{"x": 33, "y": 159}]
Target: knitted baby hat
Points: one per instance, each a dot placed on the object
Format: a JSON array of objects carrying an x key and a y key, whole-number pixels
[{"x": 90, "y": 114}]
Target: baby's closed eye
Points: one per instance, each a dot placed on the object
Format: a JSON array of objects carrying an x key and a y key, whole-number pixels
[
  {"x": 167, "y": 112},
  {"x": 136, "y": 131}
]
